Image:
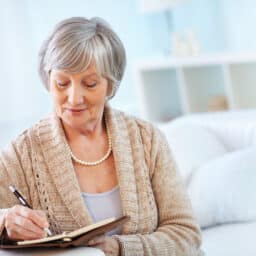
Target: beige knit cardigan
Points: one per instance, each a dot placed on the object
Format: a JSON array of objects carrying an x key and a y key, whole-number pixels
[{"x": 152, "y": 194}]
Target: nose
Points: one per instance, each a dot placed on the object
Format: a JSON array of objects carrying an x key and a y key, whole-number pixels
[{"x": 75, "y": 94}]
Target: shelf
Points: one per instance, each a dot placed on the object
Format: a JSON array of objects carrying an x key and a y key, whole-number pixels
[
  {"x": 161, "y": 95},
  {"x": 170, "y": 87},
  {"x": 203, "y": 83},
  {"x": 243, "y": 78},
  {"x": 202, "y": 60}
]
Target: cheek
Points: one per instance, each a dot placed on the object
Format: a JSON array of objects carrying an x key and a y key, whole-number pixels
[
  {"x": 57, "y": 97},
  {"x": 99, "y": 97}
]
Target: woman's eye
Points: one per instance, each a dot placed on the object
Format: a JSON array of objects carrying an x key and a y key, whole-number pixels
[
  {"x": 91, "y": 85},
  {"x": 62, "y": 84}
]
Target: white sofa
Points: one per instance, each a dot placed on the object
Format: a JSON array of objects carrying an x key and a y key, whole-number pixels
[{"x": 216, "y": 156}]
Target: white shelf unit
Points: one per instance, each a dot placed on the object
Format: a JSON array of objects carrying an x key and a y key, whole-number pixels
[{"x": 170, "y": 87}]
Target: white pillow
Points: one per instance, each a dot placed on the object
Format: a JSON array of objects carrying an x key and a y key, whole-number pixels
[
  {"x": 192, "y": 146},
  {"x": 223, "y": 190}
]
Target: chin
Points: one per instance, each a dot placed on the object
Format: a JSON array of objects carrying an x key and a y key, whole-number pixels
[
  {"x": 74, "y": 123},
  {"x": 77, "y": 122}
]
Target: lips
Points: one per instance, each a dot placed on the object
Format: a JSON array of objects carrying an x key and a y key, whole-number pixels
[{"x": 74, "y": 110}]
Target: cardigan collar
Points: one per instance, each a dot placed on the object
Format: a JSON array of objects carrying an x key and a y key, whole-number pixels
[{"x": 55, "y": 151}]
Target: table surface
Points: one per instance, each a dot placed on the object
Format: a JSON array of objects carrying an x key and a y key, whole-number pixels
[{"x": 74, "y": 251}]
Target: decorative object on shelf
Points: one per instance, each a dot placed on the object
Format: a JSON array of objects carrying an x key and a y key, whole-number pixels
[
  {"x": 218, "y": 103},
  {"x": 184, "y": 46},
  {"x": 179, "y": 46},
  {"x": 150, "y": 6},
  {"x": 192, "y": 42}
]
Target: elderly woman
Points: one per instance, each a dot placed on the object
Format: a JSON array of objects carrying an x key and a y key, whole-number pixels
[{"x": 88, "y": 162}]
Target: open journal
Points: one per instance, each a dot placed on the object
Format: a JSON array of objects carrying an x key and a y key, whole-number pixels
[{"x": 74, "y": 238}]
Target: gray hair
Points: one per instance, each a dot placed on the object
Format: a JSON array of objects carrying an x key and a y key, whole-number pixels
[{"x": 77, "y": 42}]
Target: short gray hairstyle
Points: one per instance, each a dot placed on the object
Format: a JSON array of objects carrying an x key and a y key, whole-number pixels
[{"x": 77, "y": 42}]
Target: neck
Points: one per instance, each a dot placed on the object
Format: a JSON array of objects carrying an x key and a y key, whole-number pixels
[{"x": 90, "y": 131}]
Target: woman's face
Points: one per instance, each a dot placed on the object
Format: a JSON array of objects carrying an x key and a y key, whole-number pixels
[{"x": 78, "y": 98}]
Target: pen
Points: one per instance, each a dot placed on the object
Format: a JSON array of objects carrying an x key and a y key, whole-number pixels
[{"x": 25, "y": 203}]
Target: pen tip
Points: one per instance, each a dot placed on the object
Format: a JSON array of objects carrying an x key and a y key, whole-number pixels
[{"x": 12, "y": 188}]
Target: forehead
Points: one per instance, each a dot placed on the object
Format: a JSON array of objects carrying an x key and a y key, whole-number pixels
[{"x": 90, "y": 71}]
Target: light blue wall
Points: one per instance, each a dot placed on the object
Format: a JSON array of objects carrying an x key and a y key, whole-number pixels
[
  {"x": 140, "y": 34},
  {"x": 220, "y": 25},
  {"x": 143, "y": 34},
  {"x": 205, "y": 17},
  {"x": 239, "y": 22}
]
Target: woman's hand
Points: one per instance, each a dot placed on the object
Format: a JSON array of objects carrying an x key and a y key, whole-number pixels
[
  {"x": 22, "y": 223},
  {"x": 108, "y": 245}
]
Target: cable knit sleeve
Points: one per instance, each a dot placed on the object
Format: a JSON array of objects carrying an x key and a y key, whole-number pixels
[
  {"x": 177, "y": 232},
  {"x": 13, "y": 159}
]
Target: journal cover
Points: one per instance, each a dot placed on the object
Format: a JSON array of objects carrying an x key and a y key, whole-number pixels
[{"x": 77, "y": 237}]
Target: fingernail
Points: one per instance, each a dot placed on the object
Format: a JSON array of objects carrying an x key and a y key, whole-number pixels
[{"x": 46, "y": 224}]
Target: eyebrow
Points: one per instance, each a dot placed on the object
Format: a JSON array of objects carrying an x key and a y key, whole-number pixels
[
  {"x": 61, "y": 73},
  {"x": 92, "y": 74}
]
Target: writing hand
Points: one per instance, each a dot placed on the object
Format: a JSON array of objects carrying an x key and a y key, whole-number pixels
[{"x": 22, "y": 223}]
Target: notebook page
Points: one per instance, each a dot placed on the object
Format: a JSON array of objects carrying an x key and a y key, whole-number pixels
[
  {"x": 85, "y": 229},
  {"x": 43, "y": 240},
  {"x": 67, "y": 235}
]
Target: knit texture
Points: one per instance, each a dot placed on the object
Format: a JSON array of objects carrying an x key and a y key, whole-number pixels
[{"x": 152, "y": 193}]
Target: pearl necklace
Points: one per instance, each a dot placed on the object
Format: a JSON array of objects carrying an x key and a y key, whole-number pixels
[{"x": 98, "y": 161}]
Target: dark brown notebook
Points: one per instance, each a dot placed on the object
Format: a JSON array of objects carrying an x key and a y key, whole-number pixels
[{"x": 77, "y": 237}]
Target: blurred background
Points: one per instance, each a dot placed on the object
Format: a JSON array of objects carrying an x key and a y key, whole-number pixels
[
  {"x": 194, "y": 59},
  {"x": 183, "y": 56}
]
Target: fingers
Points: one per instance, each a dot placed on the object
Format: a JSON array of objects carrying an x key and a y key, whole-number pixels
[
  {"x": 16, "y": 232},
  {"x": 28, "y": 225},
  {"x": 36, "y": 216},
  {"x": 107, "y": 244},
  {"x": 24, "y": 223},
  {"x": 101, "y": 247},
  {"x": 107, "y": 251},
  {"x": 97, "y": 240}
]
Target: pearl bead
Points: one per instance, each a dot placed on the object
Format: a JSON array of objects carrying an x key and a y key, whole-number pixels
[{"x": 98, "y": 161}]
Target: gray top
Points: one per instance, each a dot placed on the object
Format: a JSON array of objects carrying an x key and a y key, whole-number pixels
[{"x": 104, "y": 205}]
